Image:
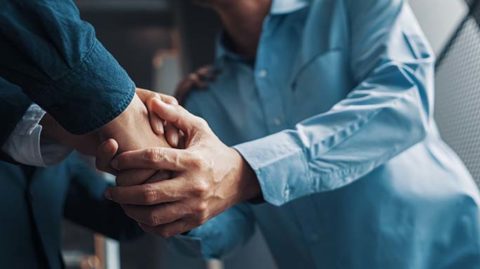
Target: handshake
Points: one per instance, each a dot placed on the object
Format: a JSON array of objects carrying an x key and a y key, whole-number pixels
[{"x": 172, "y": 172}]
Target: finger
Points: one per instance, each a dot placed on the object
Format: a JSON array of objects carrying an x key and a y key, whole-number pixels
[
  {"x": 206, "y": 72},
  {"x": 168, "y": 230},
  {"x": 150, "y": 193},
  {"x": 168, "y": 99},
  {"x": 155, "y": 122},
  {"x": 178, "y": 116},
  {"x": 157, "y": 214},
  {"x": 172, "y": 135},
  {"x": 156, "y": 158},
  {"x": 134, "y": 177},
  {"x": 105, "y": 154}
]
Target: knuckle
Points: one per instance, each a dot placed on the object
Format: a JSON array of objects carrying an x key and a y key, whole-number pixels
[
  {"x": 151, "y": 155},
  {"x": 197, "y": 162},
  {"x": 201, "y": 187},
  {"x": 153, "y": 219},
  {"x": 150, "y": 195},
  {"x": 201, "y": 208},
  {"x": 165, "y": 233},
  {"x": 202, "y": 123},
  {"x": 200, "y": 219}
]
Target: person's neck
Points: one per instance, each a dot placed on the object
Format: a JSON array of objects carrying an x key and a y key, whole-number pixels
[{"x": 243, "y": 22}]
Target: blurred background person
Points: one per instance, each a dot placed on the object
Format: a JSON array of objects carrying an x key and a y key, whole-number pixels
[{"x": 35, "y": 201}]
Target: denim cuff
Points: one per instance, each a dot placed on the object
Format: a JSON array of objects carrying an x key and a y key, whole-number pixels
[{"x": 92, "y": 94}]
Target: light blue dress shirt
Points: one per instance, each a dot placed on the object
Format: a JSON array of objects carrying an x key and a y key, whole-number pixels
[{"x": 335, "y": 116}]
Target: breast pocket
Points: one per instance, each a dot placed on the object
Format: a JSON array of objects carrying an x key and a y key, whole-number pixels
[{"x": 319, "y": 84}]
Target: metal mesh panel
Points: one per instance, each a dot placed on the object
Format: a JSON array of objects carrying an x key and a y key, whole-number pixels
[{"x": 458, "y": 94}]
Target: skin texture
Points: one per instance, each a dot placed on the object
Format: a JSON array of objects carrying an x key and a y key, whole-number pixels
[
  {"x": 208, "y": 176},
  {"x": 135, "y": 128},
  {"x": 207, "y": 180}
]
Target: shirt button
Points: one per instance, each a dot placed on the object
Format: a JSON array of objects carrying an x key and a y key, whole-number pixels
[
  {"x": 277, "y": 121},
  {"x": 263, "y": 73}
]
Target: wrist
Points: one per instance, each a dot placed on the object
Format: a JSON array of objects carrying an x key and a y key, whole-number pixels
[{"x": 248, "y": 187}]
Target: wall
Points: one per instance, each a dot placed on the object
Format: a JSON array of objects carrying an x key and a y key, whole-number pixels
[{"x": 439, "y": 19}]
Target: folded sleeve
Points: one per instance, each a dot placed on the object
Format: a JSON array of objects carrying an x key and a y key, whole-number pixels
[
  {"x": 219, "y": 236},
  {"x": 56, "y": 59},
  {"x": 386, "y": 113}
]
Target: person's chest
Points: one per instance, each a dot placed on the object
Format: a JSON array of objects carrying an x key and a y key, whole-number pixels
[{"x": 301, "y": 70}]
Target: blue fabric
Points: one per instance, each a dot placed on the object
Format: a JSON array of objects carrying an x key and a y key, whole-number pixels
[
  {"x": 54, "y": 56},
  {"x": 336, "y": 118},
  {"x": 34, "y": 202},
  {"x": 13, "y": 104}
]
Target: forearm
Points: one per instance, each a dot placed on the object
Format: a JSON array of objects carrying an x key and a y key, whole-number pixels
[{"x": 56, "y": 59}]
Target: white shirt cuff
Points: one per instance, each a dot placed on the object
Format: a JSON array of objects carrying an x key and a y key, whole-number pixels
[{"x": 25, "y": 145}]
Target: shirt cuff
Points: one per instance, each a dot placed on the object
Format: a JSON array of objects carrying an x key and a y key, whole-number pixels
[
  {"x": 91, "y": 95},
  {"x": 25, "y": 145},
  {"x": 280, "y": 165},
  {"x": 187, "y": 245}
]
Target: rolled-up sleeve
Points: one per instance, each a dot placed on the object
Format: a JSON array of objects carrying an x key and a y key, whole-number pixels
[
  {"x": 386, "y": 113},
  {"x": 56, "y": 59}
]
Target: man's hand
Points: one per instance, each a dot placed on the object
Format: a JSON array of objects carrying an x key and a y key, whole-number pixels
[
  {"x": 209, "y": 177},
  {"x": 198, "y": 79},
  {"x": 135, "y": 128}
]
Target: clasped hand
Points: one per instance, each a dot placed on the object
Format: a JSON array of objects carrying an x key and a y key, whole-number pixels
[{"x": 204, "y": 176}]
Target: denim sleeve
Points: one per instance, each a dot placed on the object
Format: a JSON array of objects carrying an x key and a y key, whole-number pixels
[
  {"x": 386, "y": 113},
  {"x": 13, "y": 104},
  {"x": 56, "y": 59}
]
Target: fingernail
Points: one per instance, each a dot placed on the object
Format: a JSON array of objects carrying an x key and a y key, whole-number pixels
[
  {"x": 114, "y": 164},
  {"x": 108, "y": 194}
]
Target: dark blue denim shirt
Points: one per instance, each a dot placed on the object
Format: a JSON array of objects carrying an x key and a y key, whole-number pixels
[{"x": 53, "y": 55}]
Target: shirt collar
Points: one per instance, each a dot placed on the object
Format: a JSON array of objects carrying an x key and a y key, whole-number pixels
[
  {"x": 278, "y": 7},
  {"x": 222, "y": 49},
  {"x": 287, "y": 6}
]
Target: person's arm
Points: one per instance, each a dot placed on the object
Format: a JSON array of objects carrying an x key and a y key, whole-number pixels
[
  {"x": 386, "y": 113},
  {"x": 56, "y": 59},
  {"x": 58, "y": 62},
  {"x": 86, "y": 205},
  {"x": 13, "y": 105}
]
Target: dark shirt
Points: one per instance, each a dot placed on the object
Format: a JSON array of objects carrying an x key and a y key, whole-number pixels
[
  {"x": 55, "y": 58},
  {"x": 34, "y": 202}
]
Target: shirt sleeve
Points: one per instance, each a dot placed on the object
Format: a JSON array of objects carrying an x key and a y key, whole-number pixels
[
  {"x": 386, "y": 113},
  {"x": 222, "y": 234},
  {"x": 26, "y": 146},
  {"x": 13, "y": 104},
  {"x": 86, "y": 205},
  {"x": 219, "y": 236},
  {"x": 56, "y": 59}
]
